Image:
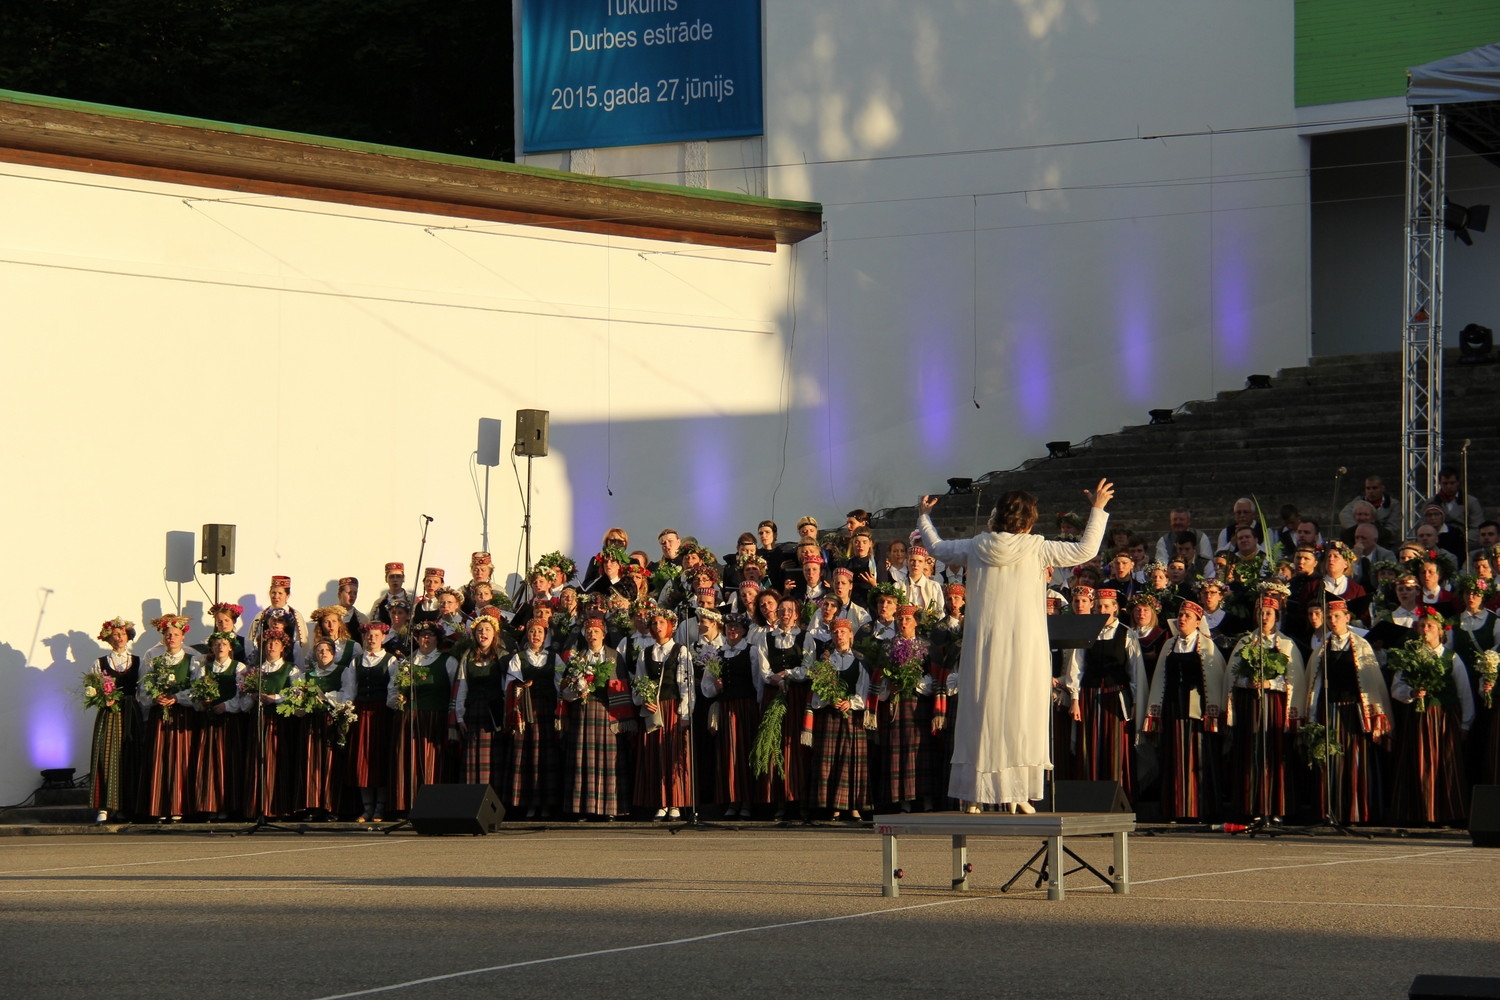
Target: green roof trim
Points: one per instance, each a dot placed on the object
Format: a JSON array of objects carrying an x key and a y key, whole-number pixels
[{"x": 401, "y": 152}]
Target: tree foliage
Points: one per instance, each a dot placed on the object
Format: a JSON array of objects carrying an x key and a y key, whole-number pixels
[{"x": 427, "y": 74}]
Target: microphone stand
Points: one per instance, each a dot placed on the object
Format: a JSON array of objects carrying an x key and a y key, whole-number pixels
[
  {"x": 1464, "y": 494},
  {"x": 411, "y": 701},
  {"x": 262, "y": 776}
]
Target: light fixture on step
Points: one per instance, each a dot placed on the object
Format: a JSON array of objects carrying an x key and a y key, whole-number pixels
[
  {"x": 57, "y": 777},
  {"x": 1476, "y": 344},
  {"x": 1258, "y": 382},
  {"x": 958, "y": 484},
  {"x": 1059, "y": 449},
  {"x": 1160, "y": 416},
  {"x": 1461, "y": 221}
]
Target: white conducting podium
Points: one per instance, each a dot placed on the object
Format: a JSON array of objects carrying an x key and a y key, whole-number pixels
[{"x": 1049, "y": 827}]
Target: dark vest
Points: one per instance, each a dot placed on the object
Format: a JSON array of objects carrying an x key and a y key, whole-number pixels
[
  {"x": 126, "y": 680},
  {"x": 666, "y": 679},
  {"x": 1342, "y": 674},
  {"x": 1105, "y": 663},
  {"x": 331, "y": 681},
  {"x": 1184, "y": 676},
  {"x": 736, "y": 675},
  {"x": 544, "y": 684},
  {"x": 435, "y": 695}
]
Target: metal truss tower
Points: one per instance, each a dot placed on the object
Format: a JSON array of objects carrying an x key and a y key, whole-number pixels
[{"x": 1422, "y": 332}]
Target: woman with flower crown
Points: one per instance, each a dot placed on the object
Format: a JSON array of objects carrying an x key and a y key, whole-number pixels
[
  {"x": 733, "y": 695},
  {"x": 1348, "y": 696},
  {"x": 1428, "y": 787},
  {"x": 481, "y": 702},
  {"x": 1267, "y": 692},
  {"x": 270, "y": 754},
  {"x": 167, "y": 779},
  {"x": 320, "y": 763},
  {"x": 114, "y": 756},
  {"x": 218, "y": 749}
]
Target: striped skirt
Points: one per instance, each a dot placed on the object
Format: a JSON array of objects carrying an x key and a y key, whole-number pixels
[
  {"x": 1429, "y": 781},
  {"x": 369, "y": 749},
  {"x": 167, "y": 764},
  {"x": 590, "y": 752},
  {"x": 319, "y": 780},
  {"x": 114, "y": 759},
  {"x": 901, "y": 749},
  {"x": 839, "y": 772},
  {"x": 1355, "y": 774},
  {"x": 738, "y": 721},
  {"x": 417, "y": 757},
  {"x": 219, "y": 772},
  {"x": 268, "y": 788},
  {"x": 483, "y": 749},
  {"x": 1261, "y": 751},
  {"x": 1186, "y": 790},
  {"x": 661, "y": 772},
  {"x": 1105, "y": 738}
]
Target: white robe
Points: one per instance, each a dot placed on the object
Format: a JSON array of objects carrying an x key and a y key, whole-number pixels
[{"x": 1001, "y": 747}]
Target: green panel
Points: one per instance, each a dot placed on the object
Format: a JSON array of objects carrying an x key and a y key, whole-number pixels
[{"x": 1355, "y": 50}]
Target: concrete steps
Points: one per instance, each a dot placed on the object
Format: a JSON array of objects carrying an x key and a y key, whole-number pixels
[{"x": 1282, "y": 445}]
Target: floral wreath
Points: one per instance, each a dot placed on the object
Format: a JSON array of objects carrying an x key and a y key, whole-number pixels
[
  {"x": 163, "y": 622},
  {"x": 1428, "y": 612},
  {"x": 890, "y": 590},
  {"x": 560, "y": 562},
  {"x": 114, "y": 623},
  {"x": 609, "y": 552},
  {"x": 234, "y": 609}
]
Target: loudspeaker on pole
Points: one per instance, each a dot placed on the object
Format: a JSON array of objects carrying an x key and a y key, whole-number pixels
[
  {"x": 489, "y": 441},
  {"x": 531, "y": 432},
  {"x": 179, "y": 568},
  {"x": 217, "y": 552}
]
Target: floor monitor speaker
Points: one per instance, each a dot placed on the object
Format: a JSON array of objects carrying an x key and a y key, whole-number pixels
[{"x": 440, "y": 809}]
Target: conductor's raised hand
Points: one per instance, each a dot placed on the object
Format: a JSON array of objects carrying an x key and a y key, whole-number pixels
[
  {"x": 925, "y": 505},
  {"x": 1101, "y": 494}
]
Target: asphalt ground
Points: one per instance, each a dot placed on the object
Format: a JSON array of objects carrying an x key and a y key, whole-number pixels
[{"x": 600, "y": 912}]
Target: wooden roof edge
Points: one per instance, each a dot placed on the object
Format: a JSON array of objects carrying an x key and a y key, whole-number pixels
[{"x": 124, "y": 142}]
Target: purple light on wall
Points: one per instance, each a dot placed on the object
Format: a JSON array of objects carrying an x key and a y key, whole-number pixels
[
  {"x": 1135, "y": 344},
  {"x": 49, "y": 735},
  {"x": 933, "y": 363},
  {"x": 710, "y": 457},
  {"x": 1232, "y": 311},
  {"x": 1031, "y": 379}
]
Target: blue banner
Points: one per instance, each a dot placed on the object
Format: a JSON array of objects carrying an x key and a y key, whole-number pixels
[{"x": 633, "y": 72}]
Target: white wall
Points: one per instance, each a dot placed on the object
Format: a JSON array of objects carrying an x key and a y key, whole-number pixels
[
  {"x": 315, "y": 375},
  {"x": 995, "y": 231}
]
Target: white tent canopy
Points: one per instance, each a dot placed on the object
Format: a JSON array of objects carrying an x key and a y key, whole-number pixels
[{"x": 1465, "y": 78}]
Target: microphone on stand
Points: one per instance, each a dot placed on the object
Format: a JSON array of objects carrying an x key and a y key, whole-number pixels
[
  {"x": 1337, "y": 475},
  {"x": 427, "y": 518}
]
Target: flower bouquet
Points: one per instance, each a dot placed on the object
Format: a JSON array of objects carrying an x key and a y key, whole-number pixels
[
  {"x": 342, "y": 715},
  {"x": 902, "y": 667},
  {"x": 648, "y": 690},
  {"x": 250, "y": 681},
  {"x": 1321, "y": 746},
  {"x": 100, "y": 691},
  {"x": 828, "y": 684},
  {"x": 160, "y": 682},
  {"x": 1425, "y": 669},
  {"x": 1485, "y": 671},
  {"x": 710, "y": 660}
]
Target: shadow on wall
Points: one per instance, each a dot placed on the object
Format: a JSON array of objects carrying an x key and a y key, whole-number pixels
[{"x": 731, "y": 467}]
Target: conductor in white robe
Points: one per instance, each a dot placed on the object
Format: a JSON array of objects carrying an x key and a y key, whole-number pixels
[{"x": 1001, "y": 749}]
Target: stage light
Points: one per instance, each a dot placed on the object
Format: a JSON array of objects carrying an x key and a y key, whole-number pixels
[
  {"x": 1161, "y": 416},
  {"x": 1476, "y": 344},
  {"x": 1461, "y": 221},
  {"x": 57, "y": 777},
  {"x": 1059, "y": 449},
  {"x": 1258, "y": 382},
  {"x": 960, "y": 485}
]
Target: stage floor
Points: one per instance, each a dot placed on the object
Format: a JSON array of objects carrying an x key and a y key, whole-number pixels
[{"x": 596, "y": 912}]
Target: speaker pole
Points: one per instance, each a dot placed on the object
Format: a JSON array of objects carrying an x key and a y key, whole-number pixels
[{"x": 526, "y": 523}]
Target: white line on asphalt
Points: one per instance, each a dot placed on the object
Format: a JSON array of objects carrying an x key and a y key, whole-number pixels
[
  {"x": 182, "y": 861},
  {"x": 1315, "y": 864},
  {"x": 1314, "y": 902},
  {"x": 652, "y": 944}
]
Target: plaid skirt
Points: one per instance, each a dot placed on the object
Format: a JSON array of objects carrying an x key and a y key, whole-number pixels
[
  {"x": 535, "y": 765},
  {"x": 590, "y": 751},
  {"x": 901, "y": 745},
  {"x": 840, "y": 774}
]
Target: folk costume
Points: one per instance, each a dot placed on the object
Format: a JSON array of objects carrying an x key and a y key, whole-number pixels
[
  {"x": 662, "y": 776},
  {"x": 219, "y": 740},
  {"x": 590, "y": 741},
  {"x": 425, "y": 714},
  {"x": 1183, "y": 706},
  {"x": 734, "y": 699},
  {"x": 114, "y": 752},
  {"x": 840, "y": 758},
  {"x": 1348, "y": 695},
  {"x": 1000, "y": 742},
  {"x": 1429, "y": 786},
  {"x": 269, "y": 786},
  {"x": 786, "y": 675},
  {"x": 1104, "y": 681},
  {"x": 320, "y": 766},
  {"x": 1264, "y": 715},
  {"x": 1473, "y": 636},
  {"x": 167, "y": 779},
  {"x": 531, "y": 711},
  {"x": 481, "y": 706},
  {"x": 370, "y": 743}
]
